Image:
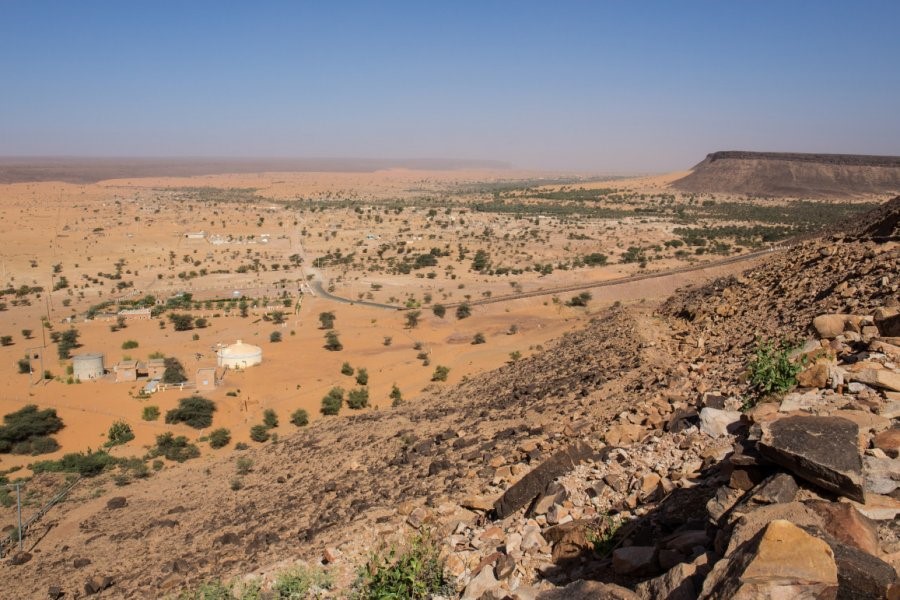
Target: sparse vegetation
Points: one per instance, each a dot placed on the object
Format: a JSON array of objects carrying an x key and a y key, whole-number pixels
[
  {"x": 259, "y": 433},
  {"x": 358, "y": 398},
  {"x": 25, "y": 431},
  {"x": 150, "y": 413},
  {"x": 119, "y": 432},
  {"x": 416, "y": 573},
  {"x": 219, "y": 438},
  {"x": 300, "y": 417},
  {"x": 333, "y": 401},
  {"x": 771, "y": 369},
  {"x": 178, "y": 449},
  {"x": 440, "y": 373}
]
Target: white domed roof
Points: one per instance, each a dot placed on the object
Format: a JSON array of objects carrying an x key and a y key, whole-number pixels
[{"x": 240, "y": 350}]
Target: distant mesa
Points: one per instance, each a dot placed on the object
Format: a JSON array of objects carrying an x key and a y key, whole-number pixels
[{"x": 793, "y": 174}]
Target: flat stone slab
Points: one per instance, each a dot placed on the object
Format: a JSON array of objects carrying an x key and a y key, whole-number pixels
[
  {"x": 534, "y": 483},
  {"x": 821, "y": 450}
]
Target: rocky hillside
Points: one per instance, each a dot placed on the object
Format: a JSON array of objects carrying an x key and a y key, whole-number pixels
[
  {"x": 793, "y": 175},
  {"x": 632, "y": 459}
]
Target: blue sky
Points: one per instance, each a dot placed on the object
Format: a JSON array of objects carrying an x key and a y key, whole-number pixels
[{"x": 592, "y": 86}]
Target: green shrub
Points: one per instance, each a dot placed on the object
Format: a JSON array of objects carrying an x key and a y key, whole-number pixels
[
  {"x": 358, "y": 398},
  {"x": 129, "y": 345},
  {"x": 300, "y": 417},
  {"x": 85, "y": 464},
  {"x": 332, "y": 402},
  {"x": 174, "y": 371},
  {"x": 396, "y": 396},
  {"x": 243, "y": 465},
  {"x": 463, "y": 311},
  {"x": 275, "y": 337},
  {"x": 195, "y": 411},
  {"x": 478, "y": 338},
  {"x": 174, "y": 448},
  {"x": 771, "y": 369},
  {"x": 270, "y": 418},
  {"x": 440, "y": 373},
  {"x": 259, "y": 433},
  {"x": 362, "y": 377},
  {"x": 24, "y": 366},
  {"x": 151, "y": 413},
  {"x": 301, "y": 582},
  {"x": 346, "y": 369},
  {"x": 332, "y": 342},
  {"x": 119, "y": 433},
  {"x": 439, "y": 310},
  {"x": 26, "y": 423},
  {"x": 219, "y": 438},
  {"x": 416, "y": 574}
]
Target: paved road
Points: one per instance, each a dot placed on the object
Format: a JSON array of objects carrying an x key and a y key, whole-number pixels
[{"x": 317, "y": 284}]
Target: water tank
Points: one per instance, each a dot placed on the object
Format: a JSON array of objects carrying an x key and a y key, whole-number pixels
[
  {"x": 239, "y": 355},
  {"x": 87, "y": 366}
]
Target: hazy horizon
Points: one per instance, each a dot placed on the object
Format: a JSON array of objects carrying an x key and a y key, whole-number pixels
[{"x": 576, "y": 86}]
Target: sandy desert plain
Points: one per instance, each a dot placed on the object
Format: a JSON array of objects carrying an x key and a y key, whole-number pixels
[{"x": 273, "y": 241}]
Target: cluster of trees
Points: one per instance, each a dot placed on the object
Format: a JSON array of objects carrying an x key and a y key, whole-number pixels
[
  {"x": 27, "y": 431},
  {"x": 194, "y": 411}
]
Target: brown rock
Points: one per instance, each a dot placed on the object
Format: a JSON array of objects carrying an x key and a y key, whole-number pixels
[
  {"x": 888, "y": 442},
  {"x": 117, "y": 502},
  {"x": 748, "y": 525},
  {"x": 880, "y": 378},
  {"x": 569, "y": 540},
  {"x": 417, "y": 517},
  {"x": 534, "y": 483},
  {"x": 781, "y": 561},
  {"x": 847, "y": 525},
  {"x": 829, "y": 326},
  {"x": 20, "y": 558},
  {"x": 815, "y": 376},
  {"x": 821, "y": 450},
  {"x": 589, "y": 590},
  {"x": 624, "y": 434},
  {"x": 888, "y": 324},
  {"x": 97, "y": 584},
  {"x": 634, "y": 560},
  {"x": 678, "y": 583}
]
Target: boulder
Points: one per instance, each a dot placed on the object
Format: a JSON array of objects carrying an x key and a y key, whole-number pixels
[
  {"x": 821, "y": 450},
  {"x": 860, "y": 575},
  {"x": 19, "y": 558},
  {"x": 878, "y": 507},
  {"x": 882, "y": 474},
  {"x": 681, "y": 582},
  {"x": 879, "y": 378},
  {"x": 888, "y": 324},
  {"x": 589, "y": 590},
  {"x": 847, "y": 525},
  {"x": 716, "y": 423},
  {"x": 778, "y": 488},
  {"x": 634, "y": 560},
  {"x": 480, "y": 585},
  {"x": 829, "y": 326},
  {"x": 888, "y": 442},
  {"x": 117, "y": 502},
  {"x": 748, "y": 525},
  {"x": 781, "y": 561},
  {"x": 624, "y": 434},
  {"x": 535, "y": 482},
  {"x": 815, "y": 376},
  {"x": 97, "y": 584}
]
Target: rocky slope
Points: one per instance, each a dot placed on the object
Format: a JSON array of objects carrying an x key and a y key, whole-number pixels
[
  {"x": 793, "y": 175},
  {"x": 615, "y": 464}
]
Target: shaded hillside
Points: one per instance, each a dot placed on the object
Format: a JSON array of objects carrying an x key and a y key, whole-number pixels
[{"x": 793, "y": 175}]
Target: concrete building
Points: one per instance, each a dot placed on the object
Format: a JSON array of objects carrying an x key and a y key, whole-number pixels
[
  {"x": 156, "y": 368},
  {"x": 126, "y": 370},
  {"x": 88, "y": 366},
  {"x": 239, "y": 355},
  {"x": 206, "y": 379}
]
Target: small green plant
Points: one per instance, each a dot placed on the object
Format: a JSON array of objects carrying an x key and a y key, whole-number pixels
[
  {"x": 358, "y": 398},
  {"x": 440, "y": 373},
  {"x": 129, "y": 345},
  {"x": 396, "y": 396},
  {"x": 346, "y": 369},
  {"x": 362, "y": 377},
  {"x": 151, "y": 413},
  {"x": 416, "y": 574},
  {"x": 301, "y": 582},
  {"x": 332, "y": 402},
  {"x": 259, "y": 433},
  {"x": 771, "y": 368},
  {"x": 478, "y": 338},
  {"x": 243, "y": 465},
  {"x": 270, "y": 418},
  {"x": 219, "y": 438},
  {"x": 602, "y": 538},
  {"x": 119, "y": 433},
  {"x": 275, "y": 337},
  {"x": 300, "y": 417}
]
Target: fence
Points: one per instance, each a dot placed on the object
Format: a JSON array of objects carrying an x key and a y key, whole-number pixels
[{"x": 22, "y": 530}]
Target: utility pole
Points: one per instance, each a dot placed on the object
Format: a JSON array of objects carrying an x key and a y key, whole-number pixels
[{"x": 19, "y": 510}]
